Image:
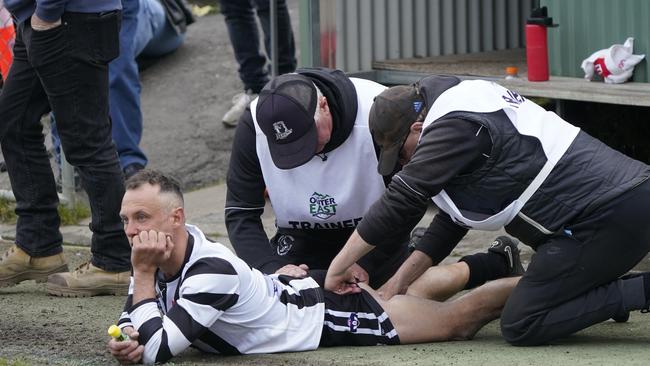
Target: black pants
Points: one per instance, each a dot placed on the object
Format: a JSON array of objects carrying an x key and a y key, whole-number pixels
[
  {"x": 317, "y": 250},
  {"x": 64, "y": 69},
  {"x": 245, "y": 39},
  {"x": 572, "y": 281}
]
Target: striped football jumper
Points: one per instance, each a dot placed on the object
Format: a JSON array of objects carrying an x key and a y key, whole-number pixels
[{"x": 218, "y": 304}]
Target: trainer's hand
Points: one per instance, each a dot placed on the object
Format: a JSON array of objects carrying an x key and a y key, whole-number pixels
[
  {"x": 150, "y": 249},
  {"x": 127, "y": 352},
  {"x": 40, "y": 25},
  {"x": 346, "y": 282},
  {"x": 359, "y": 273},
  {"x": 391, "y": 288},
  {"x": 292, "y": 270}
]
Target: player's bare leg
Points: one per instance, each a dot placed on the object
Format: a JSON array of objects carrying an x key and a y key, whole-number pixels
[
  {"x": 440, "y": 282},
  {"x": 420, "y": 320}
]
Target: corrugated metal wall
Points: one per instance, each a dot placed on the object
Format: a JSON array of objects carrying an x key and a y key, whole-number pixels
[
  {"x": 368, "y": 30},
  {"x": 589, "y": 25}
]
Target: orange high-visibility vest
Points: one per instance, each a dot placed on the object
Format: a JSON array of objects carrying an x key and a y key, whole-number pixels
[{"x": 7, "y": 36}]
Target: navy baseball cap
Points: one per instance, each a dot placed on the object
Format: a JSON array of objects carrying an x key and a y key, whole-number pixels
[
  {"x": 390, "y": 119},
  {"x": 285, "y": 113}
]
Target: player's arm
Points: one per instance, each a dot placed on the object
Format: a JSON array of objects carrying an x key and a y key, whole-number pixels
[
  {"x": 436, "y": 244},
  {"x": 210, "y": 287},
  {"x": 446, "y": 149}
]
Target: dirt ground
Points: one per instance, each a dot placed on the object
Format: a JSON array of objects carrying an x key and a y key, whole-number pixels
[{"x": 37, "y": 329}]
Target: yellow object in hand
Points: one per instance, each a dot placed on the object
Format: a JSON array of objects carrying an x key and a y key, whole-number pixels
[{"x": 115, "y": 332}]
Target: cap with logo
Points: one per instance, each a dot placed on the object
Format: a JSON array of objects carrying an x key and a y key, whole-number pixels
[
  {"x": 285, "y": 113},
  {"x": 391, "y": 116}
]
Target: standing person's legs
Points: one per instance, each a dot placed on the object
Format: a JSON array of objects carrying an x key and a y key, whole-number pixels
[
  {"x": 124, "y": 93},
  {"x": 72, "y": 64},
  {"x": 572, "y": 281},
  {"x": 286, "y": 44},
  {"x": 22, "y": 103},
  {"x": 244, "y": 37}
]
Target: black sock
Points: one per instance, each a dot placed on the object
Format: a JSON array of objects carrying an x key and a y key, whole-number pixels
[{"x": 484, "y": 267}]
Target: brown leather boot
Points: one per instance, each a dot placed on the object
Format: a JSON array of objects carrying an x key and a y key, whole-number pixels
[
  {"x": 88, "y": 280},
  {"x": 17, "y": 266}
]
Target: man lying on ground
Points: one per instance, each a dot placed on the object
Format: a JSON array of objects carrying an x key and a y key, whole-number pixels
[{"x": 186, "y": 290}]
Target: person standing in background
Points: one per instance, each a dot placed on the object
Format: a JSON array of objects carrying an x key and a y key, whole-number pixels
[
  {"x": 60, "y": 64},
  {"x": 150, "y": 28},
  {"x": 244, "y": 37}
]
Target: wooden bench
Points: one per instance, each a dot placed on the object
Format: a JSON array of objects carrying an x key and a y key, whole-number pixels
[{"x": 491, "y": 66}]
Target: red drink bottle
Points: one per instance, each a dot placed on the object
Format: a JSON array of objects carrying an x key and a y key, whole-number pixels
[{"x": 537, "y": 44}]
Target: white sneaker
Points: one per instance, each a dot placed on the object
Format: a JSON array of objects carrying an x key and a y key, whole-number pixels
[{"x": 240, "y": 102}]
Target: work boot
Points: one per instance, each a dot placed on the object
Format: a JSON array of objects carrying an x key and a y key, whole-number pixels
[
  {"x": 88, "y": 280},
  {"x": 17, "y": 266},
  {"x": 509, "y": 249},
  {"x": 240, "y": 102}
]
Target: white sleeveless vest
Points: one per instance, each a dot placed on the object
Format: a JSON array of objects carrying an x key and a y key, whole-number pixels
[
  {"x": 332, "y": 193},
  {"x": 555, "y": 135}
]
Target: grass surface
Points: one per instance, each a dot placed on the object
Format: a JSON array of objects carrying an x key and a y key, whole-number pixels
[{"x": 69, "y": 215}]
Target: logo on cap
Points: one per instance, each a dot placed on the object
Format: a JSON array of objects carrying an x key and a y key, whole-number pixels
[
  {"x": 281, "y": 130},
  {"x": 417, "y": 106}
]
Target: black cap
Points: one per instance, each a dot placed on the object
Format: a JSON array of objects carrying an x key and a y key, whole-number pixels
[
  {"x": 539, "y": 16},
  {"x": 285, "y": 113},
  {"x": 390, "y": 120}
]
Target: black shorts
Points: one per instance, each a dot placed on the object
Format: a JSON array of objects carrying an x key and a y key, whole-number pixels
[{"x": 356, "y": 320}]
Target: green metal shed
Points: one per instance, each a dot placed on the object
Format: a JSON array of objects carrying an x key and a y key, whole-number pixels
[{"x": 589, "y": 25}]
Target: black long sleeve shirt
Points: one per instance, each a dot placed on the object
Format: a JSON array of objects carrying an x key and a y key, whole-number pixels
[{"x": 447, "y": 148}]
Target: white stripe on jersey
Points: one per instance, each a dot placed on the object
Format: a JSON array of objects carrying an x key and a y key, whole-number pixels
[
  {"x": 391, "y": 334},
  {"x": 346, "y": 314}
]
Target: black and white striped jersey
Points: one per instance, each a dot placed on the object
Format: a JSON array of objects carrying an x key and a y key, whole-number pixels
[{"x": 218, "y": 304}]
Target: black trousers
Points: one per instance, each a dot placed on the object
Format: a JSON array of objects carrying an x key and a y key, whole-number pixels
[
  {"x": 245, "y": 39},
  {"x": 572, "y": 280},
  {"x": 65, "y": 70}
]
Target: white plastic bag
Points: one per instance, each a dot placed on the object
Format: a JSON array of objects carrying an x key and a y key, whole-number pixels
[{"x": 615, "y": 64}]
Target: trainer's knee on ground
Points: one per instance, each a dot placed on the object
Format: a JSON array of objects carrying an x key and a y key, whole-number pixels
[{"x": 519, "y": 328}]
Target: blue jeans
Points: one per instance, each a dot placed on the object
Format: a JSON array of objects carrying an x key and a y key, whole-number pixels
[
  {"x": 155, "y": 36},
  {"x": 64, "y": 69},
  {"x": 124, "y": 94},
  {"x": 244, "y": 37}
]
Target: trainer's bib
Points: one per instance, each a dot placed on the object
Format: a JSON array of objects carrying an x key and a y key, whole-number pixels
[{"x": 555, "y": 135}]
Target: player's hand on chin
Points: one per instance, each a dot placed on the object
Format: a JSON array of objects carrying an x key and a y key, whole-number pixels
[{"x": 150, "y": 249}]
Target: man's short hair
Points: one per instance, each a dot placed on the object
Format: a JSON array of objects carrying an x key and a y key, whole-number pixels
[{"x": 166, "y": 183}]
